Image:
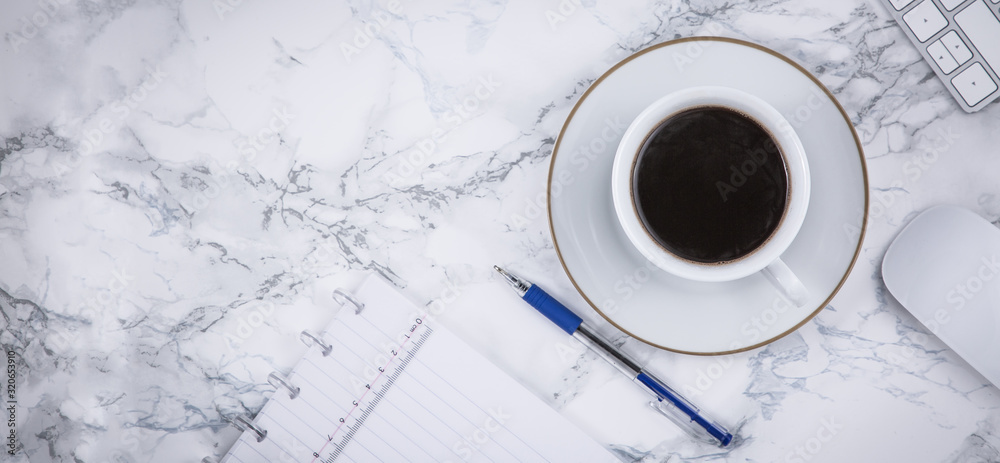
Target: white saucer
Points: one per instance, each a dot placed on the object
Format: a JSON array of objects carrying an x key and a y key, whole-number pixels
[{"x": 667, "y": 311}]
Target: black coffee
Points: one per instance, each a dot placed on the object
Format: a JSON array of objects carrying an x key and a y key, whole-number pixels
[{"x": 709, "y": 185}]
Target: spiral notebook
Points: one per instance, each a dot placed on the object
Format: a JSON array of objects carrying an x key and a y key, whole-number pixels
[{"x": 384, "y": 383}]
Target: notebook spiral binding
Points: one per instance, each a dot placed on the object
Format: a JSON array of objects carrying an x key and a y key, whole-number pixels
[
  {"x": 310, "y": 339},
  {"x": 279, "y": 381},
  {"x": 242, "y": 422},
  {"x": 344, "y": 298}
]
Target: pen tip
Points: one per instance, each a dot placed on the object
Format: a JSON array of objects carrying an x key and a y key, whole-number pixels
[{"x": 497, "y": 268}]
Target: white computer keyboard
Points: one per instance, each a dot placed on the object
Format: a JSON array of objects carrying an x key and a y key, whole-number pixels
[{"x": 961, "y": 40}]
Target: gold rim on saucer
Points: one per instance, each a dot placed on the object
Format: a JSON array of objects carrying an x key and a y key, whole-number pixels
[{"x": 857, "y": 141}]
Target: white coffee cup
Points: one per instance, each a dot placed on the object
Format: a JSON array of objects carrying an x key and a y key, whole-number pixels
[{"x": 766, "y": 258}]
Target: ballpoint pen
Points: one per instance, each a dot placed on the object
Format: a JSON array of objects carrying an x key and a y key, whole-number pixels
[{"x": 668, "y": 402}]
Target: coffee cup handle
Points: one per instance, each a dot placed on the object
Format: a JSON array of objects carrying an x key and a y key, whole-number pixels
[{"x": 782, "y": 278}]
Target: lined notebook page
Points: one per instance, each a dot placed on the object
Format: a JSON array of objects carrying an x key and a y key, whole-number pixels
[{"x": 397, "y": 387}]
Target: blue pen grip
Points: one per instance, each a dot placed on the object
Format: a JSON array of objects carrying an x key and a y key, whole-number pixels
[{"x": 552, "y": 309}]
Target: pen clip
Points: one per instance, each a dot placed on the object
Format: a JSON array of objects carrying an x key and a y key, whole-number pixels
[{"x": 678, "y": 417}]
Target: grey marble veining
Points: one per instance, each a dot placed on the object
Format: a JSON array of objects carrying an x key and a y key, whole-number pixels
[{"x": 183, "y": 182}]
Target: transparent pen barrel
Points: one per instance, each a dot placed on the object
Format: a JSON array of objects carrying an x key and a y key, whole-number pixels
[
  {"x": 683, "y": 413},
  {"x": 668, "y": 402}
]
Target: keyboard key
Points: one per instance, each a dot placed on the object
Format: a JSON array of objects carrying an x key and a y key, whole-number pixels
[
  {"x": 974, "y": 84},
  {"x": 925, "y": 20},
  {"x": 951, "y": 4},
  {"x": 983, "y": 31},
  {"x": 941, "y": 57},
  {"x": 957, "y": 47},
  {"x": 900, "y": 4}
]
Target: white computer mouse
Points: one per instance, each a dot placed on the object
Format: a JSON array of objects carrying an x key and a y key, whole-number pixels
[{"x": 944, "y": 267}]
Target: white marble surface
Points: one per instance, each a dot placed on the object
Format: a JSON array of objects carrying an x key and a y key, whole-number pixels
[{"x": 182, "y": 183}]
